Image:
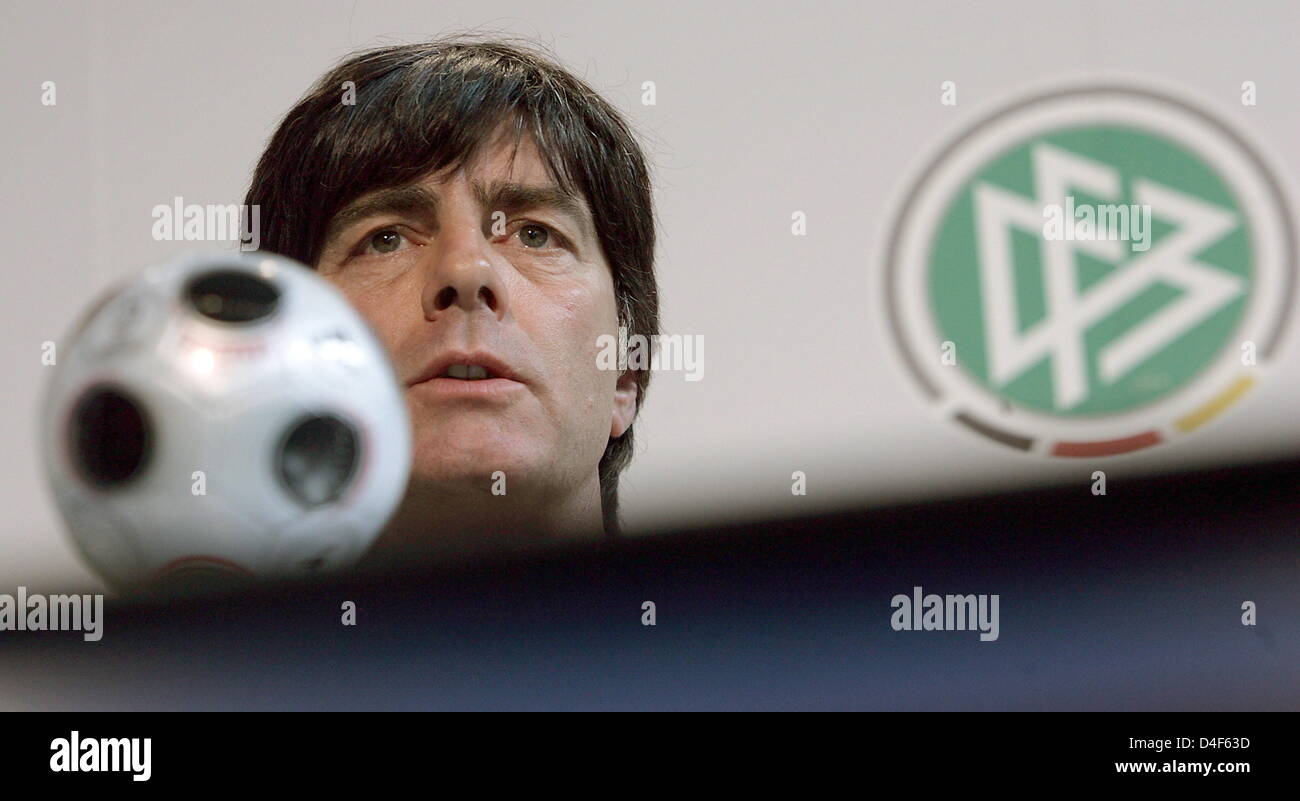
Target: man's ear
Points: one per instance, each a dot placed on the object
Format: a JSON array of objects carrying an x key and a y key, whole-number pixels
[{"x": 624, "y": 404}]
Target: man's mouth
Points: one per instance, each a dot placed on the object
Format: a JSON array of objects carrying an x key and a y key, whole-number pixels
[
  {"x": 472, "y": 376},
  {"x": 467, "y": 366},
  {"x": 467, "y": 372}
]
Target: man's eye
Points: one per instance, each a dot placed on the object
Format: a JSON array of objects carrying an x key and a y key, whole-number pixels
[
  {"x": 385, "y": 241},
  {"x": 534, "y": 236}
]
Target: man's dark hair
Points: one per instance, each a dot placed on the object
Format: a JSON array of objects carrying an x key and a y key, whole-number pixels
[{"x": 422, "y": 108}]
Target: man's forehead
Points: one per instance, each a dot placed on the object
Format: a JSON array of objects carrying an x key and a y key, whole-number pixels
[
  {"x": 510, "y": 162},
  {"x": 508, "y": 158}
]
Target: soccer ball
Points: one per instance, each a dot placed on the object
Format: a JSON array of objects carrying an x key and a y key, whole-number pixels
[{"x": 224, "y": 412}]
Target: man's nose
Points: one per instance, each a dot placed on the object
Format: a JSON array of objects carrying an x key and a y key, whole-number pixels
[{"x": 463, "y": 274}]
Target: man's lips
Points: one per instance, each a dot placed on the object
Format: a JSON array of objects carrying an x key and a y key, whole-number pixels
[
  {"x": 468, "y": 375},
  {"x": 443, "y": 388},
  {"x": 468, "y": 367}
]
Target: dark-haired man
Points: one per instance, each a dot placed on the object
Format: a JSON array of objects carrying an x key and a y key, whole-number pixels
[{"x": 491, "y": 216}]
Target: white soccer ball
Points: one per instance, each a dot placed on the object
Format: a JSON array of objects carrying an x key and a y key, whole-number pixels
[{"x": 227, "y": 412}]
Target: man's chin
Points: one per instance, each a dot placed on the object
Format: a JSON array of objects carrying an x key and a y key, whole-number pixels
[
  {"x": 462, "y": 509},
  {"x": 469, "y": 440},
  {"x": 469, "y": 474}
]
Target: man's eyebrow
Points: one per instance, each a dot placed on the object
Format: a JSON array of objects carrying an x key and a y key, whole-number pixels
[
  {"x": 413, "y": 199},
  {"x": 512, "y": 197}
]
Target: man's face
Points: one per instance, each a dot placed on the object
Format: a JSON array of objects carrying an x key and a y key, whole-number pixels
[{"x": 489, "y": 271}]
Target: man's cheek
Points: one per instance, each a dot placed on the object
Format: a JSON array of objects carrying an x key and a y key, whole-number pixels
[
  {"x": 584, "y": 304},
  {"x": 383, "y": 322}
]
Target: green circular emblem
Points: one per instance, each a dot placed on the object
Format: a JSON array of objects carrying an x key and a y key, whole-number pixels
[{"x": 1091, "y": 271}]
